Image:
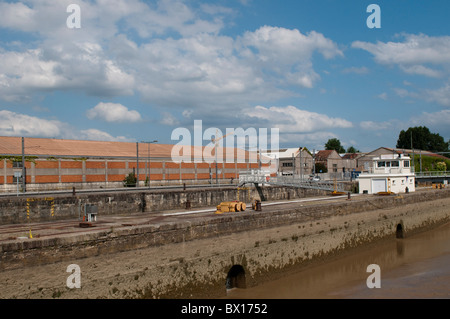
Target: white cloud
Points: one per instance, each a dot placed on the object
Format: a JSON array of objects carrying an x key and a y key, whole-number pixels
[
  {"x": 15, "y": 124},
  {"x": 436, "y": 121},
  {"x": 415, "y": 49},
  {"x": 78, "y": 67},
  {"x": 440, "y": 96},
  {"x": 439, "y": 119},
  {"x": 379, "y": 126},
  {"x": 290, "y": 119},
  {"x": 98, "y": 135},
  {"x": 168, "y": 52},
  {"x": 404, "y": 93},
  {"x": 287, "y": 52},
  {"x": 113, "y": 112},
  {"x": 168, "y": 119},
  {"x": 383, "y": 96},
  {"x": 421, "y": 70},
  {"x": 17, "y": 16},
  {"x": 315, "y": 140},
  {"x": 413, "y": 54}
]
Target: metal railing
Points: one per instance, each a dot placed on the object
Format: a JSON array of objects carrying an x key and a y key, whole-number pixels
[
  {"x": 388, "y": 170},
  {"x": 292, "y": 181},
  {"x": 433, "y": 174}
]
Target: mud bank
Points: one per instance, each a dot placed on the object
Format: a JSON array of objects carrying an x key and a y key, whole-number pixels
[{"x": 194, "y": 260}]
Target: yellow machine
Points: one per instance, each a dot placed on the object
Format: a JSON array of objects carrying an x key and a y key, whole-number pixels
[{"x": 232, "y": 206}]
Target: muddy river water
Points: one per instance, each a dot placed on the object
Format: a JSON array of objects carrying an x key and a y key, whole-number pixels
[{"x": 414, "y": 267}]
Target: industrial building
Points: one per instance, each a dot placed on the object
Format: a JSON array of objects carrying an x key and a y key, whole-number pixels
[{"x": 63, "y": 164}]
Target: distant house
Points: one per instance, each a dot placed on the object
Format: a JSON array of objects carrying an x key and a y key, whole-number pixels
[
  {"x": 350, "y": 162},
  {"x": 331, "y": 160},
  {"x": 293, "y": 161},
  {"x": 367, "y": 159}
]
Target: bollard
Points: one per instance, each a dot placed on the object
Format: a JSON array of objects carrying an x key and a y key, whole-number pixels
[
  {"x": 73, "y": 191},
  {"x": 256, "y": 205},
  {"x": 348, "y": 196}
]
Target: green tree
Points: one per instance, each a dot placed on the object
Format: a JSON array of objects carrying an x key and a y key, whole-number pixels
[
  {"x": 352, "y": 150},
  {"x": 420, "y": 137},
  {"x": 130, "y": 180},
  {"x": 334, "y": 144}
]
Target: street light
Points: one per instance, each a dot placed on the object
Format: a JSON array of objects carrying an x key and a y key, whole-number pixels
[
  {"x": 148, "y": 159},
  {"x": 23, "y": 174}
]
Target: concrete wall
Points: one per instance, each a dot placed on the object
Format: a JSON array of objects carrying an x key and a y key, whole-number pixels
[
  {"x": 197, "y": 256},
  {"x": 14, "y": 209}
]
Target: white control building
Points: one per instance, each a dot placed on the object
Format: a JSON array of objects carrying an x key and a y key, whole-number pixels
[{"x": 389, "y": 173}]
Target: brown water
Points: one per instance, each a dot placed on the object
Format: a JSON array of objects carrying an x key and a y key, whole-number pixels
[{"x": 413, "y": 267}]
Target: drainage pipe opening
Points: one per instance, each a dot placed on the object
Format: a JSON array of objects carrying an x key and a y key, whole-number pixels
[
  {"x": 399, "y": 231},
  {"x": 236, "y": 277}
]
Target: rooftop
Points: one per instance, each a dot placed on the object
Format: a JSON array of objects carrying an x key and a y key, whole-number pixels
[{"x": 46, "y": 147}]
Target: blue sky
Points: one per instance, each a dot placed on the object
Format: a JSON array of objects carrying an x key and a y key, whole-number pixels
[{"x": 137, "y": 70}]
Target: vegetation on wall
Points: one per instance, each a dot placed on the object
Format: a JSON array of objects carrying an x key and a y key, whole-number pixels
[
  {"x": 13, "y": 159},
  {"x": 431, "y": 163}
]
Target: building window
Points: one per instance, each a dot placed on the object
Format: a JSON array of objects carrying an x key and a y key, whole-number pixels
[
  {"x": 406, "y": 163},
  {"x": 395, "y": 164},
  {"x": 381, "y": 164},
  {"x": 287, "y": 164},
  {"x": 17, "y": 164},
  {"x": 335, "y": 168},
  {"x": 17, "y": 179}
]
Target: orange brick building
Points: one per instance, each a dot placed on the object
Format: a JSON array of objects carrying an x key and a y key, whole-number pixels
[{"x": 63, "y": 164}]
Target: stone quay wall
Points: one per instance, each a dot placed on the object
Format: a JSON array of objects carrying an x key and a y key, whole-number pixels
[{"x": 194, "y": 259}]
